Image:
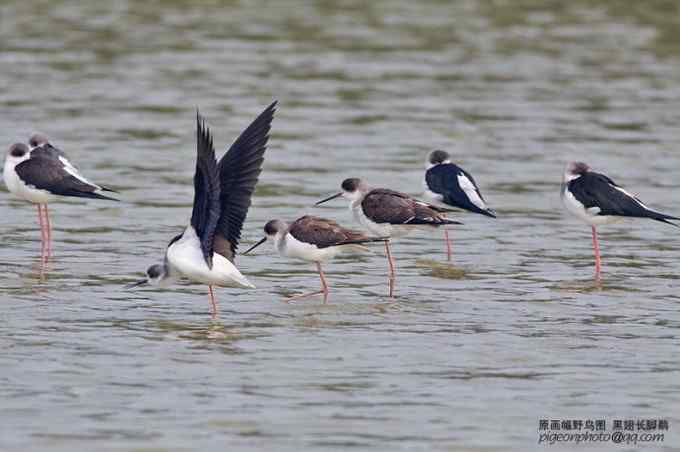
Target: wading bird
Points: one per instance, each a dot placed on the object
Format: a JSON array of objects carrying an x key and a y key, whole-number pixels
[
  {"x": 312, "y": 239},
  {"x": 205, "y": 251},
  {"x": 388, "y": 213},
  {"x": 448, "y": 185},
  {"x": 596, "y": 199},
  {"x": 41, "y": 174}
]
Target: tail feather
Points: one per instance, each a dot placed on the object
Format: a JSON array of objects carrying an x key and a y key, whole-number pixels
[
  {"x": 662, "y": 217},
  {"x": 431, "y": 221},
  {"x": 366, "y": 240},
  {"x": 447, "y": 221},
  {"x": 358, "y": 241},
  {"x": 663, "y": 220},
  {"x": 88, "y": 194},
  {"x": 489, "y": 213},
  {"x": 441, "y": 209}
]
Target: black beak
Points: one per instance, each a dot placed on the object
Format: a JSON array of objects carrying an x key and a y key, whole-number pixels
[
  {"x": 264, "y": 239},
  {"x": 337, "y": 195},
  {"x": 136, "y": 284}
]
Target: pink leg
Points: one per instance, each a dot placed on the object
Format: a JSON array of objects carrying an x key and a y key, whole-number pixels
[
  {"x": 324, "y": 288},
  {"x": 48, "y": 228},
  {"x": 448, "y": 245},
  {"x": 598, "y": 261},
  {"x": 212, "y": 302},
  {"x": 43, "y": 237},
  {"x": 324, "y": 284},
  {"x": 390, "y": 261}
]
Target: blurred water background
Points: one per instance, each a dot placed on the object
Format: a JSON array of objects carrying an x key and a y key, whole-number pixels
[{"x": 467, "y": 357}]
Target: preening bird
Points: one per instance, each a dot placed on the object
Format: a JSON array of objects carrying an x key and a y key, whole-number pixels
[
  {"x": 448, "y": 185},
  {"x": 42, "y": 174},
  {"x": 597, "y": 200}
]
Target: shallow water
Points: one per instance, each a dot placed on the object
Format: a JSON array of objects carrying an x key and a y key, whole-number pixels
[{"x": 465, "y": 358}]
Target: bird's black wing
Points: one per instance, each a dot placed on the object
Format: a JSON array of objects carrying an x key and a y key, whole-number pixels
[
  {"x": 239, "y": 170},
  {"x": 444, "y": 180},
  {"x": 382, "y": 205},
  {"x": 324, "y": 233},
  {"x": 597, "y": 190},
  {"x": 46, "y": 173},
  {"x": 206, "y": 212},
  {"x": 48, "y": 150}
]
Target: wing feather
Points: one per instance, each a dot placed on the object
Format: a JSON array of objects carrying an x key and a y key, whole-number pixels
[
  {"x": 206, "y": 212},
  {"x": 46, "y": 173},
  {"x": 389, "y": 206},
  {"x": 239, "y": 170},
  {"x": 457, "y": 187},
  {"x": 595, "y": 190},
  {"x": 324, "y": 233}
]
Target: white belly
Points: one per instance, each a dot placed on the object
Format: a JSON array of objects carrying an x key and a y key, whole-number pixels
[
  {"x": 589, "y": 216},
  {"x": 186, "y": 258},
  {"x": 26, "y": 192},
  {"x": 381, "y": 229},
  {"x": 292, "y": 247}
]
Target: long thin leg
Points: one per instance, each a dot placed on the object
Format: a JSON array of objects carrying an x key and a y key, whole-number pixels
[
  {"x": 42, "y": 223},
  {"x": 324, "y": 288},
  {"x": 212, "y": 302},
  {"x": 49, "y": 230},
  {"x": 40, "y": 219},
  {"x": 390, "y": 261},
  {"x": 43, "y": 236},
  {"x": 448, "y": 245},
  {"x": 598, "y": 260},
  {"x": 324, "y": 284}
]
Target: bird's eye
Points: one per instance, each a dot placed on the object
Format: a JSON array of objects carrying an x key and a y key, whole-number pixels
[{"x": 18, "y": 152}]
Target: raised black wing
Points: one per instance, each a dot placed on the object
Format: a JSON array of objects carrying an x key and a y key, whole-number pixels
[
  {"x": 44, "y": 172},
  {"x": 457, "y": 187},
  {"x": 206, "y": 212},
  {"x": 238, "y": 171},
  {"x": 382, "y": 205},
  {"x": 597, "y": 190},
  {"x": 324, "y": 233}
]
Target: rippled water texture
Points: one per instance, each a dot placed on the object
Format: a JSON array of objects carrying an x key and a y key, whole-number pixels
[{"x": 467, "y": 357}]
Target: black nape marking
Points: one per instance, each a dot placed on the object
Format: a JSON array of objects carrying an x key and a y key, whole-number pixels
[
  {"x": 37, "y": 139},
  {"x": 155, "y": 271},
  {"x": 350, "y": 184},
  {"x": 438, "y": 156},
  {"x": 579, "y": 168},
  {"x": 18, "y": 150},
  {"x": 272, "y": 227}
]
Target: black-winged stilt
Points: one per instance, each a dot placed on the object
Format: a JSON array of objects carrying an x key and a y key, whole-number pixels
[
  {"x": 596, "y": 199},
  {"x": 448, "y": 185},
  {"x": 41, "y": 174},
  {"x": 205, "y": 251},
  {"x": 388, "y": 213},
  {"x": 312, "y": 239}
]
